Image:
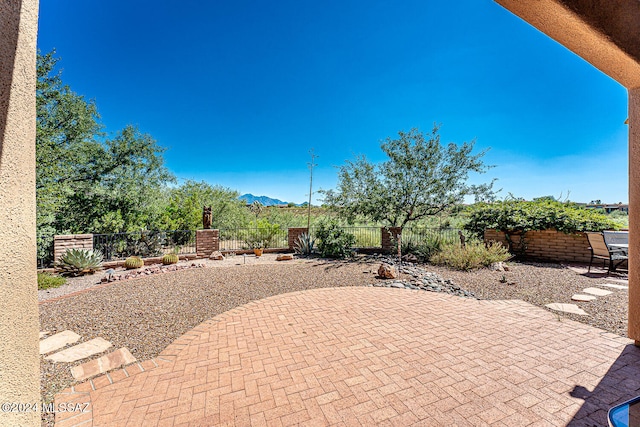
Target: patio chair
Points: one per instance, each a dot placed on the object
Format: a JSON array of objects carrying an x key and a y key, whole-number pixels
[{"x": 600, "y": 250}]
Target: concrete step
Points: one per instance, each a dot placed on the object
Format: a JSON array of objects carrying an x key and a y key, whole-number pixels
[
  {"x": 80, "y": 351},
  {"x": 597, "y": 292},
  {"x": 567, "y": 308},
  {"x": 58, "y": 341}
]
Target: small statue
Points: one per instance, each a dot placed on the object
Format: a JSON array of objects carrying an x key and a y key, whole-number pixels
[{"x": 206, "y": 217}]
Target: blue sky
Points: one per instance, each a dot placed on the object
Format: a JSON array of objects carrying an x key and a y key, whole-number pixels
[{"x": 239, "y": 92}]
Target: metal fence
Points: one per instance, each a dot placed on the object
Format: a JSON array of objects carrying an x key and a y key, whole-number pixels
[
  {"x": 45, "y": 251},
  {"x": 366, "y": 237},
  {"x": 234, "y": 239},
  {"x": 418, "y": 235},
  {"x": 115, "y": 246}
]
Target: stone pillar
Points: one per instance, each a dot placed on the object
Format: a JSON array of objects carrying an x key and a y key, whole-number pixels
[
  {"x": 19, "y": 324},
  {"x": 293, "y": 234},
  {"x": 634, "y": 215},
  {"x": 65, "y": 242},
  {"x": 207, "y": 241},
  {"x": 388, "y": 235}
]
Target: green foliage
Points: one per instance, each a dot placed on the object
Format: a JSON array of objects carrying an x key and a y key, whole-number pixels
[
  {"x": 87, "y": 181},
  {"x": 304, "y": 244},
  {"x": 183, "y": 209},
  {"x": 422, "y": 178},
  {"x": 514, "y": 216},
  {"x": 170, "y": 259},
  {"x": 46, "y": 281},
  {"x": 423, "y": 248},
  {"x": 78, "y": 262},
  {"x": 263, "y": 235},
  {"x": 133, "y": 262},
  {"x": 473, "y": 256},
  {"x": 334, "y": 241}
]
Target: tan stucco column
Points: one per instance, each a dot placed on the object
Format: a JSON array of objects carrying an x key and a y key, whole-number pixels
[
  {"x": 19, "y": 359},
  {"x": 634, "y": 215}
]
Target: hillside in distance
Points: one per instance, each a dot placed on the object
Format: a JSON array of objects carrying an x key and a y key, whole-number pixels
[{"x": 266, "y": 201}]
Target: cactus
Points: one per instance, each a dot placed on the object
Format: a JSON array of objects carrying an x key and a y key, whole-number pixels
[
  {"x": 169, "y": 259},
  {"x": 77, "y": 262},
  {"x": 133, "y": 262},
  {"x": 304, "y": 244}
]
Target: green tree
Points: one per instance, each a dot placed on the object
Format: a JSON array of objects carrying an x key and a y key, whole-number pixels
[
  {"x": 421, "y": 178},
  {"x": 184, "y": 207},
  {"x": 85, "y": 181}
]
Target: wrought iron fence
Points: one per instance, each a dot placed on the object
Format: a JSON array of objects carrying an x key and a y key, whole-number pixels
[
  {"x": 233, "y": 239},
  {"x": 45, "y": 250},
  {"x": 144, "y": 243},
  {"x": 419, "y": 235},
  {"x": 366, "y": 237}
]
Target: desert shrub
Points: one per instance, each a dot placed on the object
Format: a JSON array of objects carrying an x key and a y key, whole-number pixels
[
  {"x": 304, "y": 244},
  {"x": 46, "y": 281},
  {"x": 77, "y": 262},
  {"x": 473, "y": 256},
  {"x": 333, "y": 240},
  {"x": 423, "y": 248},
  {"x": 514, "y": 216},
  {"x": 264, "y": 235}
]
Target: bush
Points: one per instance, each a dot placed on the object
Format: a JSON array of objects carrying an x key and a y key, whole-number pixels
[
  {"x": 46, "y": 281},
  {"x": 515, "y": 216},
  {"x": 304, "y": 244},
  {"x": 474, "y": 255},
  {"x": 423, "y": 248},
  {"x": 333, "y": 241},
  {"x": 77, "y": 262}
]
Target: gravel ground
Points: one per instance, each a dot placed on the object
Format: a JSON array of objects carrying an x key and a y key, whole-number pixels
[{"x": 147, "y": 314}]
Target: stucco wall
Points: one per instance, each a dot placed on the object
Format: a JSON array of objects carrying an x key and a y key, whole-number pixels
[{"x": 19, "y": 359}]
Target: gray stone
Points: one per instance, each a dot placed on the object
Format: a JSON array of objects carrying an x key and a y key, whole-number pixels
[
  {"x": 58, "y": 341},
  {"x": 583, "y": 298},
  {"x": 567, "y": 308},
  {"x": 80, "y": 351},
  {"x": 597, "y": 292},
  {"x": 610, "y": 285}
]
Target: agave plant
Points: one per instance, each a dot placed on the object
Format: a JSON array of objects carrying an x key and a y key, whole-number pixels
[
  {"x": 77, "y": 262},
  {"x": 304, "y": 244}
]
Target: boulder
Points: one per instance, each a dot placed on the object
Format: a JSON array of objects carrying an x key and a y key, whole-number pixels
[
  {"x": 410, "y": 258},
  {"x": 216, "y": 255},
  {"x": 387, "y": 271},
  {"x": 497, "y": 266},
  {"x": 284, "y": 257}
]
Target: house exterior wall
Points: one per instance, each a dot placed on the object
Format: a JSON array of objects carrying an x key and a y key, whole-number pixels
[{"x": 19, "y": 323}]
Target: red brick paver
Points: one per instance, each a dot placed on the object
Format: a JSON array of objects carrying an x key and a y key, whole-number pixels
[{"x": 371, "y": 356}]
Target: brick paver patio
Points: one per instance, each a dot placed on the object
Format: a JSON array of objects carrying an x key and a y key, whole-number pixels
[{"x": 371, "y": 356}]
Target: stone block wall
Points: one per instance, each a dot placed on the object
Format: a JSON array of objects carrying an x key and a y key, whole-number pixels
[
  {"x": 71, "y": 241},
  {"x": 207, "y": 241},
  {"x": 548, "y": 245},
  {"x": 293, "y": 235}
]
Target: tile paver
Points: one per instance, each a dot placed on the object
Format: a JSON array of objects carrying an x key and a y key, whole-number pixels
[
  {"x": 80, "y": 351},
  {"x": 597, "y": 292},
  {"x": 373, "y": 356},
  {"x": 58, "y": 341},
  {"x": 567, "y": 308}
]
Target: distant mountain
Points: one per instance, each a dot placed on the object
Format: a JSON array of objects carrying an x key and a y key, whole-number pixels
[{"x": 266, "y": 201}]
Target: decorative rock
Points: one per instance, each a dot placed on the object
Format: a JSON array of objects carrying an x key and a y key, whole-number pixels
[
  {"x": 567, "y": 308},
  {"x": 583, "y": 298},
  {"x": 80, "y": 351},
  {"x": 284, "y": 257},
  {"x": 597, "y": 292},
  {"x": 387, "y": 271},
  {"x": 217, "y": 256},
  {"x": 58, "y": 341},
  {"x": 410, "y": 258},
  {"x": 497, "y": 266},
  {"x": 609, "y": 285}
]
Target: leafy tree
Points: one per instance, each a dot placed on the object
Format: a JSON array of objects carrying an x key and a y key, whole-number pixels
[
  {"x": 421, "y": 178},
  {"x": 184, "y": 207},
  {"x": 86, "y": 182}
]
